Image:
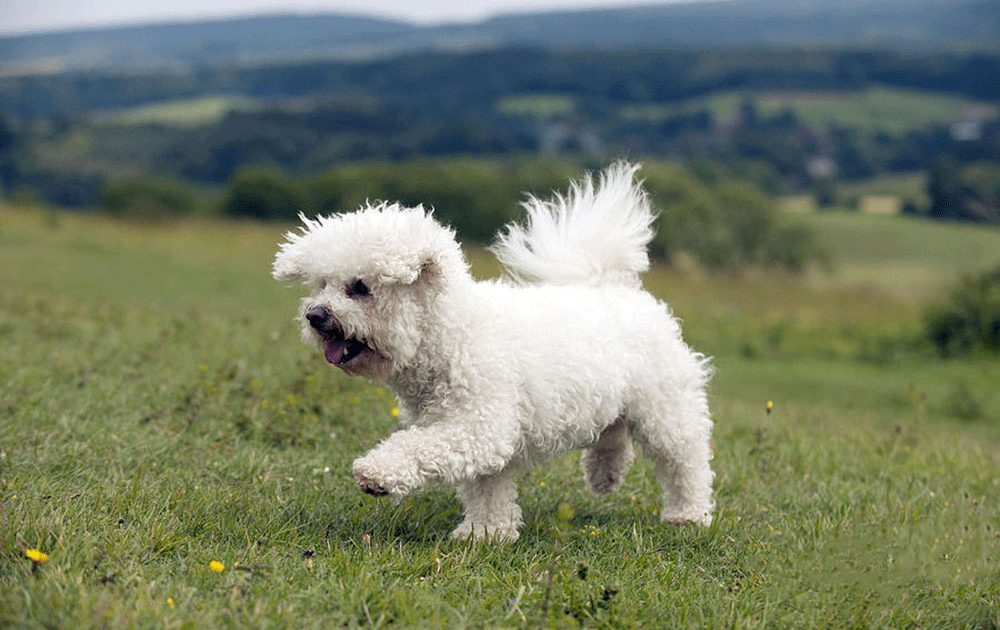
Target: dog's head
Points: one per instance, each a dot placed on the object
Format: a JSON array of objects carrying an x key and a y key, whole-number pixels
[{"x": 373, "y": 276}]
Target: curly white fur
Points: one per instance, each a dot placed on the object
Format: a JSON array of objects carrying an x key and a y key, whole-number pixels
[
  {"x": 592, "y": 235},
  {"x": 495, "y": 376}
]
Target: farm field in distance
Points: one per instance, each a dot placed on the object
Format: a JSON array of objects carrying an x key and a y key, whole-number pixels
[
  {"x": 158, "y": 412},
  {"x": 891, "y": 110},
  {"x": 191, "y": 112}
]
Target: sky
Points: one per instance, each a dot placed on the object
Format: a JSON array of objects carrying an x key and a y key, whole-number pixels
[{"x": 19, "y": 16}]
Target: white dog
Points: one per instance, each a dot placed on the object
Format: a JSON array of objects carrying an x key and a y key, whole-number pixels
[{"x": 492, "y": 377}]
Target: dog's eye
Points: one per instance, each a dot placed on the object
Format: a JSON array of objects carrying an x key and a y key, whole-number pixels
[{"x": 357, "y": 289}]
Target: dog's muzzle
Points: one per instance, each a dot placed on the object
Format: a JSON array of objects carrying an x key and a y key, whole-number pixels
[
  {"x": 321, "y": 319},
  {"x": 338, "y": 348}
]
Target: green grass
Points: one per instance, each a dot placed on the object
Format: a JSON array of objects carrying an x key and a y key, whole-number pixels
[
  {"x": 536, "y": 105},
  {"x": 157, "y": 412},
  {"x": 905, "y": 186},
  {"x": 875, "y": 109},
  {"x": 908, "y": 257},
  {"x": 193, "y": 112}
]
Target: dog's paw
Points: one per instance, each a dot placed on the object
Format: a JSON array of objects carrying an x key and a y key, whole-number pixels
[
  {"x": 368, "y": 482},
  {"x": 702, "y": 518},
  {"x": 374, "y": 480},
  {"x": 372, "y": 487},
  {"x": 476, "y": 531},
  {"x": 605, "y": 481}
]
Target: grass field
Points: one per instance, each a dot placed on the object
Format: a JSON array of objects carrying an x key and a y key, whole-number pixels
[
  {"x": 193, "y": 112},
  {"x": 911, "y": 258},
  {"x": 905, "y": 186},
  {"x": 537, "y": 105},
  {"x": 874, "y": 109},
  {"x": 158, "y": 413}
]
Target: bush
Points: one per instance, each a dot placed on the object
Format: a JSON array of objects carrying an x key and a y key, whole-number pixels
[
  {"x": 825, "y": 193},
  {"x": 969, "y": 322},
  {"x": 970, "y": 193},
  {"x": 912, "y": 209},
  {"x": 793, "y": 247},
  {"x": 475, "y": 197},
  {"x": 146, "y": 198},
  {"x": 263, "y": 194},
  {"x": 964, "y": 402},
  {"x": 729, "y": 226}
]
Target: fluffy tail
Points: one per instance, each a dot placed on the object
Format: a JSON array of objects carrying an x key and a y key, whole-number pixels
[{"x": 592, "y": 235}]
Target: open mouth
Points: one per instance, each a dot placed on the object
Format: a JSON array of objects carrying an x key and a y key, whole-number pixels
[{"x": 342, "y": 351}]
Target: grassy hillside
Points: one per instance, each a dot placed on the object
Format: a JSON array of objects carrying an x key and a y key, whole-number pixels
[
  {"x": 537, "y": 105},
  {"x": 906, "y": 24},
  {"x": 911, "y": 258},
  {"x": 158, "y": 413},
  {"x": 887, "y": 110},
  {"x": 876, "y": 109},
  {"x": 180, "y": 113}
]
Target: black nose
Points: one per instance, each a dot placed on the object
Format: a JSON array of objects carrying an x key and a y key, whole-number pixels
[{"x": 318, "y": 316}]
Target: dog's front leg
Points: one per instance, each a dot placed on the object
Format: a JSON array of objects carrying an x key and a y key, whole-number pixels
[
  {"x": 491, "y": 509},
  {"x": 450, "y": 450}
]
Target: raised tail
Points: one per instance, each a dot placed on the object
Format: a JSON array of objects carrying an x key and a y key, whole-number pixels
[{"x": 594, "y": 234}]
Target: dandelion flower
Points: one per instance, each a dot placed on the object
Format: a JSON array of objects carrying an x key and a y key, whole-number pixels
[
  {"x": 541, "y": 484},
  {"x": 36, "y": 555},
  {"x": 216, "y": 566},
  {"x": 394, "y": 412},
  {"x": 170, "y": 602},
  {"x": 770, "y": 406}
]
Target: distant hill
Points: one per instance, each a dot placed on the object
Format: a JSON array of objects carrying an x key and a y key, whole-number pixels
[
  {"x": 901, "y": 24},
  {"x": 186, "y": 44},
  {"x": 868, "y": 23}
]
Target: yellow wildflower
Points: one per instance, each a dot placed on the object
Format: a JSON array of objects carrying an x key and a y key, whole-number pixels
[
  {"x": 216, "y": 566},
  {"x": 565, "y": 511},
  {"x": 770, "y": 406},
  {"x": 394, "y": 412},
  {"x": 170, "y": 602},
  {"x": 37, "y": 555},
  {"x": 541, "y": 484}
]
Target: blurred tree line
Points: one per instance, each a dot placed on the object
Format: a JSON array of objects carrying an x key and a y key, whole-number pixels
[
  {"x": 962, "y": 193},
  {"x": 721, "y": 221},
  {"x": 57, "y": 138},
  {"x": 774, "y": 150},
  {"x": 147, "y": 198},
  {"x": 455, "y": 83}
]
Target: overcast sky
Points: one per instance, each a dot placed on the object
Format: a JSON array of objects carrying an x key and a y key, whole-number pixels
[{"x": 40, "y": 15}]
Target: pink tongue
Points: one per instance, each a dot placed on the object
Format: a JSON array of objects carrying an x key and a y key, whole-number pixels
[{"x": 334, "y": 350}]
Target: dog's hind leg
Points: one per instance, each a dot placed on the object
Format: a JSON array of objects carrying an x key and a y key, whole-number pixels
[
  {"x": 491, "y": 509},
  {"x": 674, "y": 431},
  {"x": 606, "y": 462}
]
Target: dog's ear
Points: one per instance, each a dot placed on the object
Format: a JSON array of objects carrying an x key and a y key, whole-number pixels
[
  {"x": 287, "y": 266},
  {"x": 420, "y": 269}
]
